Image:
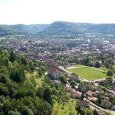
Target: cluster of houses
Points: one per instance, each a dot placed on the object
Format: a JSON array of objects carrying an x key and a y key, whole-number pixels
[
  {"x": 109, "y": 83},
  {"x": 39, "y": 48},
  {"x": 73, "y": 92},
  {"x": 91, "y": 91}
]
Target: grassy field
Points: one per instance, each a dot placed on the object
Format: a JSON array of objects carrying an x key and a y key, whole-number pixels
[
  {"x": 65, "y": 109},
  {"x": 89, "y": 73}
]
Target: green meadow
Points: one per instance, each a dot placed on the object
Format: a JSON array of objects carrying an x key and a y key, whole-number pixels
[{"x": 89, "y": 73}]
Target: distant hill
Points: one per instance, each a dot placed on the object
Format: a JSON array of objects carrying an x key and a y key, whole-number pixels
[
  {"x": 29, "y": 29},
  {"x": 22, "y": 29},
  {"x": 58, "y": 28},
  {"x": 69, "y": 28},
  {"x": 6, "y": 30}
]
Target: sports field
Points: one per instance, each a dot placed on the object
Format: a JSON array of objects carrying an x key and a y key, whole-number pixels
[{"x": 89, "y": 73}]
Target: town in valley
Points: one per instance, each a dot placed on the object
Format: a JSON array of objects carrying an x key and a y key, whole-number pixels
[{"x": 83, "y": 65}]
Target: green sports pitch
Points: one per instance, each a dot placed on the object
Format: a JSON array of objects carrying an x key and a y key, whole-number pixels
[{"x": 89, "y": 73}]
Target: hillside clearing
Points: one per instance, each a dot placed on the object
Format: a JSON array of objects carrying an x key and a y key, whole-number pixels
[{"x": 65, "y": 109}]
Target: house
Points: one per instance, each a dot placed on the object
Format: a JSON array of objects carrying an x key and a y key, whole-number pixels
[
  {"x": 99, "y": 112},
  {"x": 90, "y": 93},
  {"x": 76, "y": 94},
  {"x": 68, "y": 88},
  {"x": 93, "y": 87},
  {"x": 54, "y": 71},
  {"x": 105, "y": 103},
  {"x": 113, "y": 107},
  {"x": 92, "y": 98},
  {"x": 83, "y": 104},
  {"x": 100, "y": 91}
]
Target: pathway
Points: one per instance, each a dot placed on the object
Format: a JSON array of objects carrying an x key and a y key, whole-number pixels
[{"x": 94, "y": 106}]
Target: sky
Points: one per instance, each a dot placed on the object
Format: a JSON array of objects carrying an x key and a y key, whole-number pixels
[{"x": 48, "y": 11}]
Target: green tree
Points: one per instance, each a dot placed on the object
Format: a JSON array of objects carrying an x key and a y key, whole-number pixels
[
  {"x": 88, "y": 111},
  {"x": 12, "y": 56},
  {"x": 6, "y": 62},
  {"x": 31, "y": 66},
  {"x": 39, "y": 73},
  {"x": 109, "y": 73},
  {"x": 3, "y": 78},
  {"x": 97, "y": 64},
  {"x": 73, "y": 83},
  {"x": 24, "y": 61},
  {"x": 63, "y": 79},
  {"x": 47, "y": 95},
  {"x": 14, "y": 112},
  {"x": 17, "y": 74},
  {"x": 27, "y": 111},
  {"x": 86, "y": 61}
]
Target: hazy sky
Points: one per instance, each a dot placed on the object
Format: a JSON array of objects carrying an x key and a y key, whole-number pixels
[{"x": 47, "y": 11}]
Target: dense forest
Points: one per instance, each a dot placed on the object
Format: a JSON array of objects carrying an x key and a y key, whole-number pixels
[
  {"x": 20, "y": 94},
  {"x": 24, "y": 87}
]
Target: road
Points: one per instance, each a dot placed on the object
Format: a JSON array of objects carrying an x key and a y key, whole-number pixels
[
  {"x": 94, "y": 106},
  {"x": 111, "y": 91},
  {"x": 72, "y": 67},
  {"x": 99, "y": 79}
]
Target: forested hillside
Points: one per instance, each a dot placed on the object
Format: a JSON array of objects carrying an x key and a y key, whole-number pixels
[
  {"x": 21, "y": 29},
  {"x": 20, "y": 94},
  {"x": 58, "y": 28}
]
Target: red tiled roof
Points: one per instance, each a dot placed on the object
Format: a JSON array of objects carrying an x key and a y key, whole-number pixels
[
  {"x": 55, "y": 68},
  {"x": 100, "y": 112}
]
